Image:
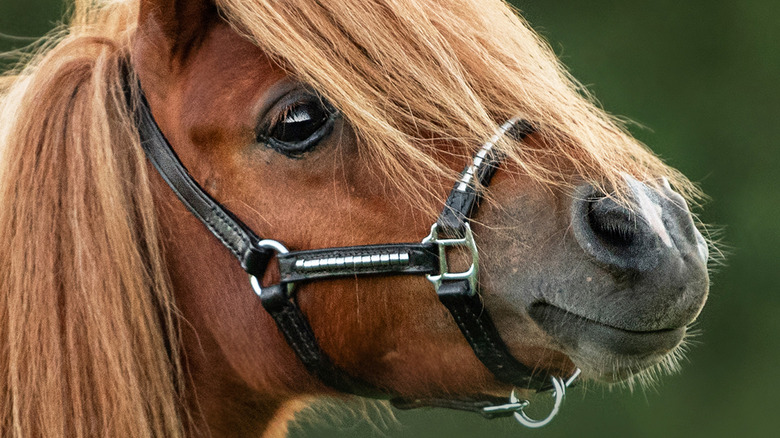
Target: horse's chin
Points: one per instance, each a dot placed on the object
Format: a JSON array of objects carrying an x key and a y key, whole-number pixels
[{"x": 607, "y": 353}]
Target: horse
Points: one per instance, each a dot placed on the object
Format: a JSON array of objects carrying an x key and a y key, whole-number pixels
[{"x": 565, "y": 244}]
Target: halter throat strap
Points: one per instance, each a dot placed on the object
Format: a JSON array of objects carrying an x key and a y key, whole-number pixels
[
  {"x": 457, "y": 291},
  {"x": 238, "y": 238}
]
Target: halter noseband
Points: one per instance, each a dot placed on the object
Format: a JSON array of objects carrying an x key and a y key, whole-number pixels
[{"x": 458, "y": 291}]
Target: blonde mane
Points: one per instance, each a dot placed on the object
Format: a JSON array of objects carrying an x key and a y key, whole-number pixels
[
  {"x": 89, "y": 343},
  {"x": 404, "y": 72},
  {"x": 87, "y": 322}
]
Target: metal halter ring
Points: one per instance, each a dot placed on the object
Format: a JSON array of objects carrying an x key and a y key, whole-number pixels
[
  {"x": 558, "y": 393},
  {"x": 280, "y": 249}
]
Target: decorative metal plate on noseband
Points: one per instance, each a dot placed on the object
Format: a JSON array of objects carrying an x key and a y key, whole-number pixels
[{"x": 354, "y": 262}]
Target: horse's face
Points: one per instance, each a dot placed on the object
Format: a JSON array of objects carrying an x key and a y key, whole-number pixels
[{"x": 569, "y": 279}]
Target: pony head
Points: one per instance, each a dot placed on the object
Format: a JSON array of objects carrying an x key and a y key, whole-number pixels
[{"x": 319, "y": 124}]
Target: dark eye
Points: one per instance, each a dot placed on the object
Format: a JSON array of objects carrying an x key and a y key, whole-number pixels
[{"x": 298, "y": 124}]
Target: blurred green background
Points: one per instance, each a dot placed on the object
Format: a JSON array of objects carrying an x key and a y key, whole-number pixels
[{"x": 704, "y": 78}]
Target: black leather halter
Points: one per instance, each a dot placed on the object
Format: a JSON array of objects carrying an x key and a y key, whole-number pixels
[{"x": 458, "y": 291}]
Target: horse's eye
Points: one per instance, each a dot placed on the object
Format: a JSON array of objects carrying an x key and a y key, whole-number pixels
[{"x": 299, "y": 125}]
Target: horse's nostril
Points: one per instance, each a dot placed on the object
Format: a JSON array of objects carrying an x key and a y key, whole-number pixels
[
  {"x": 651, "y": 228},
  {"x": 613, "y": 225},
  {"x": 616, "y": 235}
]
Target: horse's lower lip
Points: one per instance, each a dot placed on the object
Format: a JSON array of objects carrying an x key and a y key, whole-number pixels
[{"x": 580, "y": 333}]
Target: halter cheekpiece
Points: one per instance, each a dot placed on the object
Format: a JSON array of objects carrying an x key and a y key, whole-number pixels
[{"x": 458, "y": 291}]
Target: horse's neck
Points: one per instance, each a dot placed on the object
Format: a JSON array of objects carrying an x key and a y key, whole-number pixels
[
  {"x": 208, "y": 294},
  {"x": 221, "y": 404}
]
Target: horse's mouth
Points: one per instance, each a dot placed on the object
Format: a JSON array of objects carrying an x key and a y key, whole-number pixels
[{"x": 582, "y": 336}]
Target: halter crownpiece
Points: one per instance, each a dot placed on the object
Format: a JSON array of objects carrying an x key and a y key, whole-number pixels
[{"x": 458, "y": 291}]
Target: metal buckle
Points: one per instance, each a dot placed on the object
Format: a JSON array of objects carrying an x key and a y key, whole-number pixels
[
  {"x": 467, "y": 241},
  {"x": 280, "y": 249}
]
